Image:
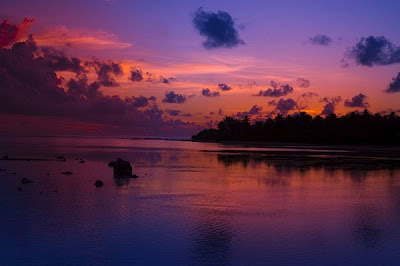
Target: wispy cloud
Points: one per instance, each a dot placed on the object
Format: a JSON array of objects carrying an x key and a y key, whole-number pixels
[{"x": 96, "y": 40}]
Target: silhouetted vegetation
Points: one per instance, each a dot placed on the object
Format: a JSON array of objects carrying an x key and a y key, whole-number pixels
[{"x": 353, "y": 128}]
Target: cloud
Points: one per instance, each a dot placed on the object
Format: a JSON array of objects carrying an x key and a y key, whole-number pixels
[
  {"x": 373, "y": 50},
  {"x": 359, "y": 100},
  {"x": 172, "y": 97},
  {"x": 320, "y": 39},
  {"x": 330, "y": 104},
  {"x": 277, "y": 90},
  {"x": 10, "y": 33},
  {"x": 141, "y": 101},
  {"x": 394, "y": 86},
  {"x": 105, "y": 70},
  {"x": 166, "y": 80},
  {"x": 302, "y": 101},
  {"x": 284, "y": 106},
  {"x": 255, "y": 110},
  {"x": 136, "y": 75},
  {"x": 206, "y": 92},
  {"x": 85, "y": 39},
  {"x": 30, "y": 87},
  {"x": 224, "y": 87},
  {"x": 219, "y": 29},
  {"x": 174, "y": 112},
  {"x": 303, "y": 83},
  {"x": 59, "y": 61}
]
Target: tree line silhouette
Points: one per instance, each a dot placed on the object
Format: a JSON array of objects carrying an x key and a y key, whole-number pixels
[{"x": 353, "y": 128}]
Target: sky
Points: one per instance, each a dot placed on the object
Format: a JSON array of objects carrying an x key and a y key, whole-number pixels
[{"x": 172, "y": 68}]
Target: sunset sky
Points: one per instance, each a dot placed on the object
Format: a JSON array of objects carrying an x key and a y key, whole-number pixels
[{"x": 161, "y": 68}]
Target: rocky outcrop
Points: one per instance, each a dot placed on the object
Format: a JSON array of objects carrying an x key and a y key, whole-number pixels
[
  {"x": 122, "y": 169},
  {"x": 26, "y": 181},
  {"x": 98, "y": 183}
]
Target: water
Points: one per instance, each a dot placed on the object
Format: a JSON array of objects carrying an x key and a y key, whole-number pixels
[{"x": 193, "y": 203}]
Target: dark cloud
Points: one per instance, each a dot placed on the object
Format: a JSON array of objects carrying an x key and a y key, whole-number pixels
[
  {"x": 394, "y": 86},
  {"x": 59, "y": 61},
  {"x": 374, "y": 50},
  {"x": 302, "y": 101},
  {"x": 359, "y": 100},
  {"x": 136, "y": 75},
  {"x": 308, "y": 95},
  {"x": 174, "y": 112},
  {"x": 330, "y": 104},
  {"x": 150, "y": 77},
  {"x": 141, "y": 101},
  {"x": 105, "y": 71},
  {"x": 320, "y": 39},
  {"x": 284, "y": 106},
  {"x": 166, "y": 80},
  {"x": 30, "y": 87},
  {"x": 303, "y": 83},
  {"x": 206, "y": 92},
  {"x": 172, "y": 97},
  {"x": 277, "y": 90},
  {"x": 224, "y": 87},
  {"x": 255, "y": 110},
  {"x": 219, "y": 29},
  {"x": 10, "y": 33}
]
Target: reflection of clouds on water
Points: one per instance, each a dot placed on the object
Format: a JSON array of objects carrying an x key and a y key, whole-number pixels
[
  {"x": 212, "y": 235},
  {"x": 367, "y": 228}
]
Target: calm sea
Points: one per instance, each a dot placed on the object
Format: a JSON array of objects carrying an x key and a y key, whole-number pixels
[{"x": 193, "y": 203}]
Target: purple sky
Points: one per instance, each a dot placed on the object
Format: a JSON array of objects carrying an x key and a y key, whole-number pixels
[{"x": 308, "y": 46}]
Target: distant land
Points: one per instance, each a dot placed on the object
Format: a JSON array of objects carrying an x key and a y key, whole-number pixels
[{"x": 351, "y": 129}]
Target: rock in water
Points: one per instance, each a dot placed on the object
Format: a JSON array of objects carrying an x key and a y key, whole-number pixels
[
  {"x": 26, "y": 181},
  {"x": 99, "y": 183},
  {"x": 122, "y": 169},
  {"x": 67, "y": 173},
  {"x": 112, "y": 164}
]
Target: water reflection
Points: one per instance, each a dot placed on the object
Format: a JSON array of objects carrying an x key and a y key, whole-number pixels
[
  {"x": 193, "y": 206},
  {"x": 212, "y": 235},
  {"x": 367, "y": 228},
  {"x": 305, "y": 161}
]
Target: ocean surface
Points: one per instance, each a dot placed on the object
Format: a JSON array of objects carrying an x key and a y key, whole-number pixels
[{"x": 193, "y": 204}]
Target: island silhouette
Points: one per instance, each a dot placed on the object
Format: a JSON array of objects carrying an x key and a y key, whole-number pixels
[{"x": 351, "y": 129}]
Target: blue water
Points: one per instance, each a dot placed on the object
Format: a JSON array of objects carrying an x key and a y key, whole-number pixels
[{"x": 190, "y": 206}]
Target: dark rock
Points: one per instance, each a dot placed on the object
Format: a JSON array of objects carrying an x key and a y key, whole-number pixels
[
  {"x": 134, "y": 176},
  {"x": 82, "y": 161},
  {"x": 112, "y": 164},
  {"x": 19, "y": 189},
  {"x": 2, "y": 170},
  {"x": 122, "y": 169},
  {"x": 99, "y": 183},
  {"x": 61, "y": 158},
  {"x": 67, "y": 173},
  {"x": 47, "y": 173},
  {"x": 5, "y": 157},
  {"x": 26, "y": 181}
]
